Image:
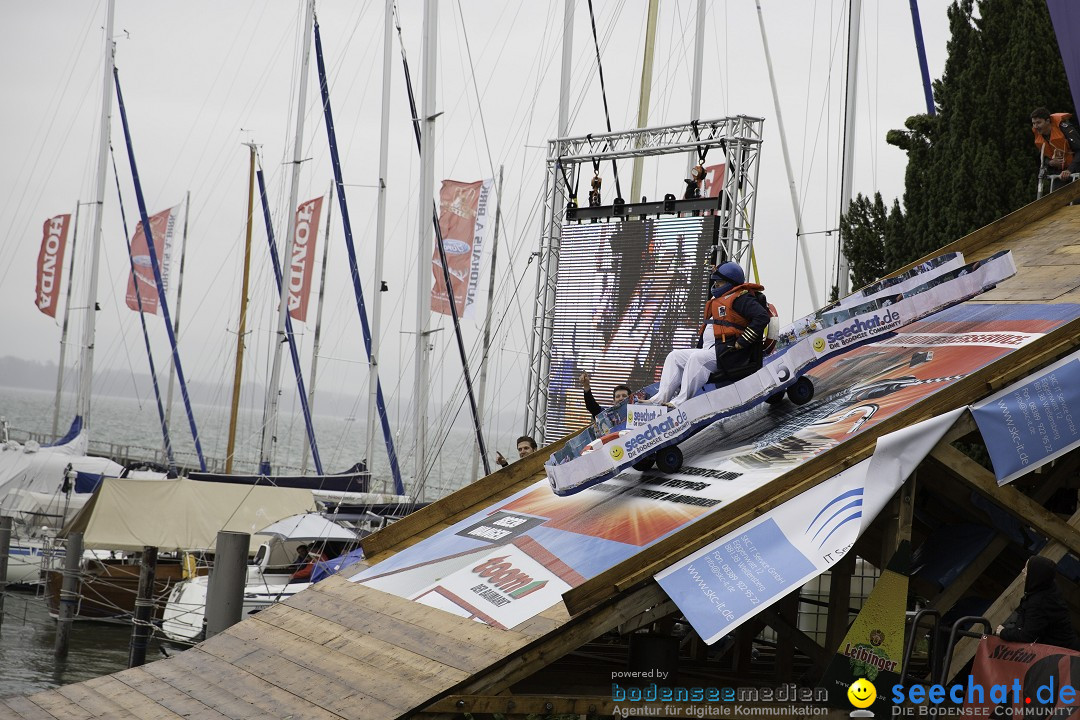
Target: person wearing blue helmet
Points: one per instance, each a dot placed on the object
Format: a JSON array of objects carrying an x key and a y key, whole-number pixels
[{"x": 730, "y": 340}]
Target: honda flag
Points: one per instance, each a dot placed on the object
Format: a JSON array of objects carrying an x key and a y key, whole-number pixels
[
  {"x": 303, "y": 257},
  {"x": 162, "y": 227},
  {"x": 465, "y": 216},
  {"x": 50, "y": 264}
]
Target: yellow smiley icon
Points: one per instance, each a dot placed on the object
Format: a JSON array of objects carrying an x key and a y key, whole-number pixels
[
  {"x": 819, "y": 344},
  {"x": 616, "y": 453},
  {"x": 862, "y": 693}
]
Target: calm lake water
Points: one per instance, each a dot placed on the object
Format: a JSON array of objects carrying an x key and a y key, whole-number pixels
[
  {"x": 26, "y": 648},
  {"x": 28, "y": 633}
]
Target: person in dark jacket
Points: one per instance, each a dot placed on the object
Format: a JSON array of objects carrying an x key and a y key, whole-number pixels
[
  {"x": 1042, "y": 616},
  {"x": 618, "y": 394}
]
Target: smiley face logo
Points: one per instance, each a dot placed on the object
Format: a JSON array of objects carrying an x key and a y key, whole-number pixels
[
  {"x": 862, "y": 693},
  {"x": 616, "y": 453},
  {"x": 819, "y": 344}
]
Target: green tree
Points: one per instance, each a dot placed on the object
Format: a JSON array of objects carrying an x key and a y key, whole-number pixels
[{"x": 974, "y": 161}]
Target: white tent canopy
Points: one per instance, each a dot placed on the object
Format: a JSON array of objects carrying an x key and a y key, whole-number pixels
[
  {"x": 308, "y": 526},
  {"x": 180, "y": 514}
]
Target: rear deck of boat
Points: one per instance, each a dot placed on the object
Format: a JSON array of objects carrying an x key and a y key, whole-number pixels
[{"x": 343, "y": 650}]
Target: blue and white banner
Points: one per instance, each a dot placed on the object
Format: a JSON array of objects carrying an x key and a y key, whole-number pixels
[
  {"x": 1032, "y": 422},
  {"x": 725, "y": 583}
]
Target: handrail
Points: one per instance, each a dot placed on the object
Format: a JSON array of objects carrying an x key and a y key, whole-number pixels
[{"x": 974, "y": 620}]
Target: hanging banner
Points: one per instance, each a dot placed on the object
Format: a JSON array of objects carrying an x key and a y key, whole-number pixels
[
  {"x": 466, "y": 215},
  {"x": 162, "y": 227},
  {"x": 50, "y": 264},
  {"x": 1032, "y": 422},
  {"x": 749, "y": 569},
  {"x": 1021, "y": 680},
  {"x": 303, "y": 257},
  {"x": 1065, "y": 16},
  {"x": 873, "y": 648},
  {"x": 714, "y": 179}
]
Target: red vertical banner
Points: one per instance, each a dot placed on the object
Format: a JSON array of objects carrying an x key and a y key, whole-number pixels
[
  {"x": 303, "y": 257},
  {"x": 463, "y": 215},
  {"x": 162, "y": 227},
  {"x": 50, "y": 264},
  {"x": 714, "y": 179}
]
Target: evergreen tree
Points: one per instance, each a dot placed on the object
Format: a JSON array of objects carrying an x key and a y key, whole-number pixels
[{"x": 974, "y": 161}]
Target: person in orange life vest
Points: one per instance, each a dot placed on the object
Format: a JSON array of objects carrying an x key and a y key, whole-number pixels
[
  {"x": 730, "y": 341},
  {"x": 304, "y": 573},
  {"x": 1058, "y": 141}
]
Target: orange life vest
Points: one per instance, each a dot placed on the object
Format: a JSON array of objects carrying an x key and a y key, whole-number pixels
[
  {"x": 1057, "y": 139},
  {"x": 720, "y": 312}
]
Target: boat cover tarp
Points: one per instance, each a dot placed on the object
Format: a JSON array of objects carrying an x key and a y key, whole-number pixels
[
  {"x": 41, "y": 469},
  {"x": 179, "y": 514},
  {"x": 308, "y": 526}
]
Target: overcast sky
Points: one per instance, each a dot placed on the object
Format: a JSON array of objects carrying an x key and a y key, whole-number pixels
[{"x": 200, "y": 78}]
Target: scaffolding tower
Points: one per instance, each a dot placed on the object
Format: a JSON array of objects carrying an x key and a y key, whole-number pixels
[{"x": 738, "y": 138}]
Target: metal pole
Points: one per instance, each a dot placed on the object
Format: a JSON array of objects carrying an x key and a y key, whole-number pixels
[
  {"x": 266, "y": 450},
  {"x": 487, "y": 316},
  {"x": 380, "y": 236},
  {"x": 645, "y": 93},
  {"x": 5, "y": 552},
  {"x": 64, "y": 329},
  {"x": 179, "y": 298},
  {"x": 241, "y": 329},
  {"x": 143, "y": 619},
  {"x": 695, "y": 87},
  {"x": 225, "y": 591},
  {"x": 808, "y": 267},
  {"x": 423, "y": 259},
  {"x": 843, "y": 282},
  {"x": 86, "y": 364},
  {"x": 318, "y": 318},
  {"x": 920, "y": 47},
  {"x": 69, "y": 594}
]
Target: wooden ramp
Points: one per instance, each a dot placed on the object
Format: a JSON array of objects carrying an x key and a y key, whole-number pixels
[{"x": 342, "y": 650}]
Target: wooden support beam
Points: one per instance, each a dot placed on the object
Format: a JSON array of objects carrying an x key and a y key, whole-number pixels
[
  {"x": 648, "y": 617},
  {"x": 787, "y": 631},
  {"x": 949, "y": 596},
  {"x": 839, "y": 602},
  {"x": 1007, "y": 602},
  {"x": 642, "y": 566},
  {"x": 1010, "y": 499}
]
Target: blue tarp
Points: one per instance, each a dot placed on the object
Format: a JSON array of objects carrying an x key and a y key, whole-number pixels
[{"x": 323, "y": 570}]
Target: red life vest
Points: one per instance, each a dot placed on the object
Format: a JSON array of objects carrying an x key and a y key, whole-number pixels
[
  {"x": 1057, "y": 140},
  {"x": 720, "y": 311}
]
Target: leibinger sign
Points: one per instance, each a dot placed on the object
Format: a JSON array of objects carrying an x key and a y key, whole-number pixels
[
  {"x": 860, "y": 329},
  {"x": 644, "y": 440}
]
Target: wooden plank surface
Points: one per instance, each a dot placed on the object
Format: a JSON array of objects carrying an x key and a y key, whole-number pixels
[
  {"x": 25, "y": 708},
  {"x": 94, "y": 702}
]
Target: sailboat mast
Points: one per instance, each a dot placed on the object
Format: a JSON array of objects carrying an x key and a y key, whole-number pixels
[
  {"x": 64, "y": 328},
  {"x": 179, "y": 298},
  {"x": 318, "y": 319},
  {"x": 843, "y": 282},
  {"x": 645, "y": 94},
  {"x": 241, "y": 329},
  {"x": 695, "y": 83},
  {"x": 423, "y": 262},
  {"x": 487, "y": 316},
  {"x": 808, "y": 267},
  {"x": 272, "y": 397},
  {"x": 86, "y": 364},
  {"x": 380, "y": 235}
]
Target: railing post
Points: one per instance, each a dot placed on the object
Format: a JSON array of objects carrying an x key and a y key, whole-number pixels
[{"x": 5, "y": 550}]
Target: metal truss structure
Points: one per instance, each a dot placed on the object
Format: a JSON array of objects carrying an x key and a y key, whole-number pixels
[{"x": 738, "y": 138}]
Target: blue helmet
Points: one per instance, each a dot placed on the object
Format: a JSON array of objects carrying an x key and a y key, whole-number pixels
[{"x": 729, "y": 272}]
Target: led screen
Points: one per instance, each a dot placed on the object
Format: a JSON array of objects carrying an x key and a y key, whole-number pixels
[{"x": 627, "y": 293}]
